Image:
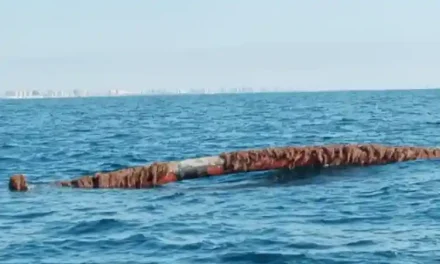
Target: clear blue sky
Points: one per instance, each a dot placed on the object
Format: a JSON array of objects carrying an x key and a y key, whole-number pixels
[{"x": 135, "y": 45}]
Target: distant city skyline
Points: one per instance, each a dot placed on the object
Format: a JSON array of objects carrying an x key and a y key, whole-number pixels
[
  {"x": 31, "y": 94},
  {"x": 165, "y": 46},
  {"x": 22, "y": 94}
]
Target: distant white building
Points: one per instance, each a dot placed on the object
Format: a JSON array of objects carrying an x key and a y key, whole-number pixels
[{"x": 117, "y": 92}]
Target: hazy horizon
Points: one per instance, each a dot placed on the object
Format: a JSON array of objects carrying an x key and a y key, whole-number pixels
[{"x": 169, "y": 45}]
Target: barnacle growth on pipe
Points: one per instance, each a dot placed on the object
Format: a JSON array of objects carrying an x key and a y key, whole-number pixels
[
  {"x": 18, "y": 182},
  {"x": 160, "y": 173}
]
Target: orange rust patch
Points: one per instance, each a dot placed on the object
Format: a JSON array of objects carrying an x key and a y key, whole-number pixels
[
  {"x": 169, "y": 177},
  {"x": 215, "y": 170}
]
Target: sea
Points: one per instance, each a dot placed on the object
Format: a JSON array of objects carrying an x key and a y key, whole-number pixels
[{"x": 379, "y": 214}]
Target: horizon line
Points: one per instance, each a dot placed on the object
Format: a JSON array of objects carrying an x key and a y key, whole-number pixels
[{"x": 174, "y": 93}]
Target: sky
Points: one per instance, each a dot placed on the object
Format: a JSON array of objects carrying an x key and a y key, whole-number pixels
[{"x": 193, "y": 44}]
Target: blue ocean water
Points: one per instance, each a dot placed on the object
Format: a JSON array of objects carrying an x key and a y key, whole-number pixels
[{"x": 382, "y": 214}]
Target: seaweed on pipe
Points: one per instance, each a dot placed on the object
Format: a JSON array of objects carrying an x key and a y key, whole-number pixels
[
  {"x": 160, "y": 173},
  {"x": 322, "y": 156}
]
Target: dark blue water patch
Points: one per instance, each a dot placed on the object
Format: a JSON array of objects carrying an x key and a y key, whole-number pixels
[
  {"x": 5, "y": 146},
  {"x": 117, "y": 136},
  {"x": 262, "y": 257},
  {"x": 436, "y": 123},
  {"x": 381, "y": 214},
  {"x": 81, "y": 130}
]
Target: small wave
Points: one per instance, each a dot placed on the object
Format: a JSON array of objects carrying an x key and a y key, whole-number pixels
[
  {"x": 386, "y": 253},
  {"x": 75, "y": 154},
  {"x": 191, "y": 246},
  {"x": 128, "y": 242},
  {"x": 351, "y": 220},
  {"x": 112, "y": 166},
  {"x": 96, "y": 226},
  {"x": 360, "y": 243},
  {"x": 34, "y": 215},
  {"x": 370, "y": 194},
  {"x": 10, "y": 160},
  {"x": 170, "y": 196},
  {"x": 134, "y": 159},
  {"x": 135, "y": 239},
  {"x": 26, "y": 216},
  {"x": 308, "y": 245}
]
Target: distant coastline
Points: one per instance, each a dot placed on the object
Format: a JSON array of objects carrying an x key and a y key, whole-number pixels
[{"x": 16, "y": 95}]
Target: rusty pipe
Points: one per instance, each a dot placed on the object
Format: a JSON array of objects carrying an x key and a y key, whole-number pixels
[{"x": 160, "y": 173}]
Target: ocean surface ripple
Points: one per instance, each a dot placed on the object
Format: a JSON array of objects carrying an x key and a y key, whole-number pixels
[{"x": 382, "y": 214}]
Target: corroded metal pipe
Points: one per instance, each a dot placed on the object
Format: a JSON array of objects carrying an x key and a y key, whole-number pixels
[{"x": 160, "y": 173}]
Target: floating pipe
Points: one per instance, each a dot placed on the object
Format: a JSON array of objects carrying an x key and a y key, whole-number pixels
[{"x": 160, "y": 173}]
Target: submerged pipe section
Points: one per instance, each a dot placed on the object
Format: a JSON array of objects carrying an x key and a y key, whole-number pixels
[{"x": 160, "y": 173}]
